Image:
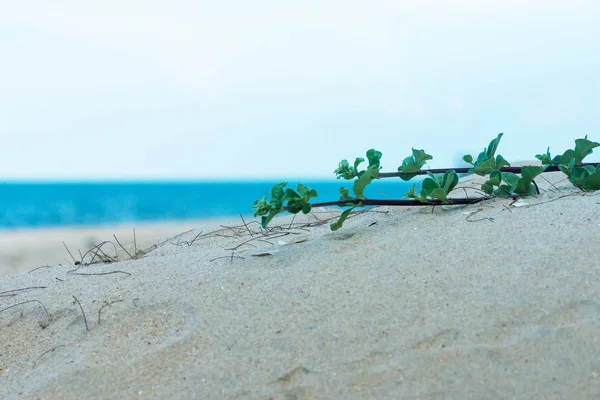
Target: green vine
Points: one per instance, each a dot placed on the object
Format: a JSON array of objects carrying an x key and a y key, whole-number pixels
[{"x": 503, "y": 180}]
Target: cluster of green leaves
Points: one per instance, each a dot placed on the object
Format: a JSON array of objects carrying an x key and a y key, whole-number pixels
[
  {"x": 502, "y": 183},
  {"x": 296, "y": 201},
  {"x": 507, "y": 183},
  {"x": 435, "y": 187},
  {"x": 413, "y": 164},
  {"x": 363, "y": 178},
  {"x": 486, "y": 162},
  {"x": 344, "y": 170},
  {"x": 585, "y": 177}
]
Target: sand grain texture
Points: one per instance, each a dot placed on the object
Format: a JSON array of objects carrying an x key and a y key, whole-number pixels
[{"x": 398, "y": 304}]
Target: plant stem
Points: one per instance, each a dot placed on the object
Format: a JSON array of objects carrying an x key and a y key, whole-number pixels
[
  {"x": 376, "y": 202},
  {"x": 515, "y": 170}
]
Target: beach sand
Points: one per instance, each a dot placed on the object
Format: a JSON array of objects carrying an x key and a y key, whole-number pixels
[{"x": 486, "y": 301}]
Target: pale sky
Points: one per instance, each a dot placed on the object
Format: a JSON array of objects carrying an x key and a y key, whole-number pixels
[{"x": 126, "y": 89}]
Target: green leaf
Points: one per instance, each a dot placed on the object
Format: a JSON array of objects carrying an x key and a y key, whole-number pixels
[
  {"x": 565, "y": 169},
  {"x": 374, "y": 158},
  {"x": 485, "y": 161},
  {"x": 593, "y": 181},
  {"x": 583, "y": 148},
  {"x": 412, "y": 193},
  {"x": 429, "y": 184},
  {"x": 468, "y": 158},
  {"x": 299, "y": 202},
  {"x": 501, "y": 162},
  {"x": 290, "y": 194},
  {"x": 261, "y": 206},
  {"x": 439, "y": 194},
  {"x": 306, "y": 192},
  {"x": 585, "y": 178},
  {"x": 546, "y": 159},
  {"x": 488, "y": 187},
  {"x": 364, "y": 180},
  {"x": 338, "y": 224},
  {"x": 491, "y": 151},
  {"x": 528, "y": 174},
  {"x": 435, "y": 186},
  {"x": 483, "y": 168},
  {"x": 344, "y": 196},
  {"x": 414, "y": 163},
  {"x": 503, "y": 191},
  {"x": 496, "y": 177},
  {"x": 306, "y": 207},
  {"x": 296, "y": 201},
  {"x": 344, "y": 170},
  {"x": 494, "y": 181},
  {"x": 568, "y": 156},
  {"x": 510, "y": 178},
  {"x": 268, "y": 209},
  {"x": 357, "y": 162},
  {"x": 277, "y": 192},
  {"x": 450, "y": 180}
]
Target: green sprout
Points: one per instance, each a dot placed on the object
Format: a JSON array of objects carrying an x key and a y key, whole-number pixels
[
  {"x": 344, "y": 170},
  {"x": 344, "y": 197},
  {"x": 296, "y": 201},
  {"x": 413, "y": 164},
  {"x": 584, "y": 177},
  {"x": 364, "y": 177},
  {"x": 435, "y": 187},
  {"x": 583, "y": 148},
  {"x": 486, "y": 162},
  {"x": 507, "y": 183}
]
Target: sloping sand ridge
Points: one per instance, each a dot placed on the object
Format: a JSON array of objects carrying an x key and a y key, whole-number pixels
[{"x": 492, "y": 300}]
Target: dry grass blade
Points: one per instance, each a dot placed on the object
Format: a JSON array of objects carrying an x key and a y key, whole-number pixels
[
  {"x": 82, "y": 312},
  {"x": 14, "y": 292},
  {"x": 104, "y": 305},
  {"x": 30, "y": 301}
]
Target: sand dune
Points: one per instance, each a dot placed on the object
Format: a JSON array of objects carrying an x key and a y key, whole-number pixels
[{"x": 495, "y": 300}]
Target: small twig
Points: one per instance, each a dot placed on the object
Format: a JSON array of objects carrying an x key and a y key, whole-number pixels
[
  {"x": 190, "y": 243},
  {"x": 550, "y": 200},
  {"x": 246, "y": 225},
  {"x": 14, "y": 291},
  {"x": 537, "y": 189},
  {"x": 97, "y": 273},
  {"x": 476, "y": 220},
  {"x": 232, "y": 256},
  {"x": 43, "y": 266},
  {"x": 83, "y": 312},
  {"x": 69, "y": 251},
  {"x": 292, "y": 221},
  {"x": 104, "y": 305},
  {"x": 257, "y": 238},
  {"x": 25, "y": 302},
  {"x": 47, "y": 351},
  {"x": 125, "y": 250},
  {"x": 172, "y": 237},
  {"x": 134, "y": 244},
  {"x": 552, "y": 184},
  {"x": 98, "y": 248}
]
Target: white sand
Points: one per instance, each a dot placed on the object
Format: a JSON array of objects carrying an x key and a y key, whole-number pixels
[{"x": 396, "y": 305}]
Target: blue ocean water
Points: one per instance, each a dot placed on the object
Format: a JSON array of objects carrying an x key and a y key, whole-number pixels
[{"x": 32, "y": 205}]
